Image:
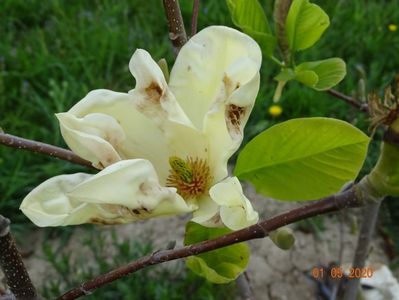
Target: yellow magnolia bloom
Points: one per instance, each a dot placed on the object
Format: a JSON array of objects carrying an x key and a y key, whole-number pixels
[
  {"x": 392, "y": 27},
  {"x": 162, "y": 148},
  {"x": 275, "y": 110}
]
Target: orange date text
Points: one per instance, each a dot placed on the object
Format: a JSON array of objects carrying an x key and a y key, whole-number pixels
[{"x": 338, "y": 272}]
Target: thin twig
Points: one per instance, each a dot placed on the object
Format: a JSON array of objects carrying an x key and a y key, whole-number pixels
[
  {"x": 337, "y": 284},
  {"x": 369, "y": 216},
  {"x": 349, "y": 198},
  {"x": 244, "y": 287},
  {"x": 194, "y": 18},
  {"x": 11, "y": 263},
  {"x": 177, "y": 32},
  {"x": 42, "y": 148},
  {"x": 352, "y": 101}
]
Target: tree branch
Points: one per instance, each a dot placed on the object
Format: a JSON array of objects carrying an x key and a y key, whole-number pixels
[
  {"x": 177, "y": 33},
  {"x": 355, "y": 103},
  {"x": 11, "y": 263},
  {"x": 42, "y": 148},
  {"x": 194, "y": 18},
  {"x": 369, "y": 219},
  {"x": 349, "y": 198}
]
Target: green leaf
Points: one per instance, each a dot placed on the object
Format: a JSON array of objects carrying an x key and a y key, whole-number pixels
[
  {"x": 329, "y": 72},
  {"x": 218, "y": 266},
  {"x": 303, "y": 159},
  {"x": 305, "y": 24},
  {"x": 320, "y": 75},
  {"x": 267, "y": 42},
  {"x": 286, "y": 74},
  {"x": 307, "y": 77},
  {"x": 248, "y": 14},
  {"x": 250, "y": 17}
]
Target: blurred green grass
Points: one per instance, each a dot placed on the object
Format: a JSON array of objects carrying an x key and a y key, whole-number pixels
[{"x": 53, "y": 52}]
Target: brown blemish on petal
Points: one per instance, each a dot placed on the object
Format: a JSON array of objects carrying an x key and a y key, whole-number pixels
[
  {"x": 234, "y": 115},
  {"x": 125, "y": 213},
  {"x": 136, "y": 213},
  {"x": 144, "y": 188},
  {"x": 154, "y": 92},
  {"x": 99, "y": 221},
  {"x": 216, "y": 220}
]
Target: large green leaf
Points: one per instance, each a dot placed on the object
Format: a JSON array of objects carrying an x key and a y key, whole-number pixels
[
  {"x": 303, "y": 159},
  {"x": 250, "y": 17},
  {"x": 305, "y": 24},
  {"x": 329, "y": 72},
  {"x": 218, "y": 266}
]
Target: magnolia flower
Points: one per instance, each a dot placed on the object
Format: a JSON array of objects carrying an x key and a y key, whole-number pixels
[{"x": 163, "y": 147}]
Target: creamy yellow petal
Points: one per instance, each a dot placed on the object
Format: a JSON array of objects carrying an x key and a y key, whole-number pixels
[
  {"x": 142, "y": 138},
  {"x": 207, "y": 213},
  {"x": 153, "y": 98},
  {"x": 224, "y": 125},
  {"x": 123, "y": 192},
  {"x": 210, "y": 67},
  {"x": 48, "y": 205},
  {"x": 152, "y": 95},
  {"x": 216, "y": 79},
  {"x": 236, "y": 211}
]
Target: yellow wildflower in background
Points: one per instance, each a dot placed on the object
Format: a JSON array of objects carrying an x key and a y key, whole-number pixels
[
  {"x": 392, "y": 27},
  {"x": 275, "y": 110}
]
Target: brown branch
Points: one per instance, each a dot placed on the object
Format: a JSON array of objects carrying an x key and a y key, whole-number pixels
[
  {"x": 194, "y": 18},
  {"x": 11, "y": 263},
  {"x": 369, "y": 219},
  {"x": 352, "y": 101},
  {"x": 42, "y": 148},
  {"x": 177, "y": 33},
  {"x": 348, "y": 198}
]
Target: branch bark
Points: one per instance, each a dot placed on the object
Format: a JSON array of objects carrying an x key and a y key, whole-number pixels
[
  {"x": 369, "y": 217},
  {"x": 11, "y": 263},
  {"x": 194, "y": 18},
  {"x": 177, "y": 32},
  {"x": 352, "y": 101},
  {"x": 42, "y": 148},
  {"x": 353, "y": 197}
]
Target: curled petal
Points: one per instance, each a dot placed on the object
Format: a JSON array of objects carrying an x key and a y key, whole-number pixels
[
  {"x": 236, "y": 211},
  {"x": 207, "y": 213},
  {"x": 48, "y": 204},
  {"x": 123, "y": 192},
  {"x": 94, "y": 137},
  {"x": 151, "y": 95},
  {"x": 140, "y": 136}
]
